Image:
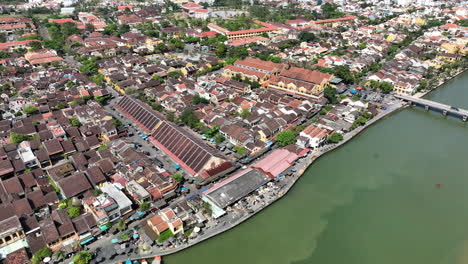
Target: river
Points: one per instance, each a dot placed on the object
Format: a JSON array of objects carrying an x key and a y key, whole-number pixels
[{"x": 373, "y": 200}]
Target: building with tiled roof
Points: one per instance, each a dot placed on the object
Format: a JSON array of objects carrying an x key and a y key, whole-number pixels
[
  {"x": 253, "y": 69},
  {"x": 276, "y": 162},
  {"x": 346, "y": 18},
  {"x": 189, "y": 152},
  {"x": 301, "y": 82},
  {"x": 62, "y": 21},
  {"x": 313, "y": 136},
  {"x": 166, "y": 220},
  {"x": 74, "y": 185},
  {"x": 21, "y": 44},
  {"x": 191, "y": 6},
  {"x": 267, "y": 28},
  {"x": 44, "y": 56}
]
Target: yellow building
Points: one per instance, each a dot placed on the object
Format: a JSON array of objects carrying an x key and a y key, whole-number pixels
[
  {"x": 420, "y": 21},
  {"x": 447, "y": 57},
  {"x": 451, "y": 47},
  {"x": 303, "y": 82},
  {"x": 253, "y": 76}
]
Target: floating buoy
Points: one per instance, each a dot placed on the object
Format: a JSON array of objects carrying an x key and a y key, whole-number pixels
[{"x": 439, "y": 185}]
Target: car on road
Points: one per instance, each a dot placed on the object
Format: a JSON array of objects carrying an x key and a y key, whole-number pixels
[{"x": 158, "y": 162}]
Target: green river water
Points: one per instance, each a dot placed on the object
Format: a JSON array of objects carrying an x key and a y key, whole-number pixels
[{"x": 372, "y": 201}]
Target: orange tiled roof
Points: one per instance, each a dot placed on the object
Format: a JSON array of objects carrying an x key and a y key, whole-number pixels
[{"x": 245, "y": 71}]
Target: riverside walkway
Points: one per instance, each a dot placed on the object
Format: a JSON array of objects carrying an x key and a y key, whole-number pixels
[{"x": 435, "y": 106}]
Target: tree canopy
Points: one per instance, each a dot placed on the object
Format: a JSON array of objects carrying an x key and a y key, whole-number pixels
[
  {"x": 74, "y": 212},
  {"x": 335, "y": 137},
  {"x": 331, "y": 11},
  {"x": 189, "y": 118},
  {"x": 197, "y": 99},
  {"x": 285, "y": 138},
  {"x": 89, "y": 67},
  {"x": 144, "y": 206},
  {"x": 83, "y": 257},
  {"x": 330, "y": 94},
  {"x": 75, "y": 122},
  {"x": 29, "y": 110},
  {"x": 40, "y": 255},
  {"x": 17, "y": 138},
  {"x": 306, "y": 36}
]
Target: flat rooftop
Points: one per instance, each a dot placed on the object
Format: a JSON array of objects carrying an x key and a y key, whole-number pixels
[{"x": 234, "y": 188}]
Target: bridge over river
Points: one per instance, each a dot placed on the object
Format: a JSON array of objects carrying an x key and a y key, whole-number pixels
[{"x": 435, "y": 106}]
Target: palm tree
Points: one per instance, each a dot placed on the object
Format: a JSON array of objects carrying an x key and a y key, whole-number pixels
[
  {"x": 59, "y": 255},
  {"x": 121, "y": 225}
]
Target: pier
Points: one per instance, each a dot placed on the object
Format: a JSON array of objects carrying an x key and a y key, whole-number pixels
[{"x": 435, "y": 106}]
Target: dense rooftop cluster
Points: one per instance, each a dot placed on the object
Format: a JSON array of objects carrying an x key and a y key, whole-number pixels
[{"x": 171, "y": 115}]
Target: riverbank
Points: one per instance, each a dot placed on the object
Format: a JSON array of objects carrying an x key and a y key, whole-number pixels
[
  {"x": 440, "y": 83},
  {"x": 301, "y": 166},
  {"x": 375, "y": 193}
]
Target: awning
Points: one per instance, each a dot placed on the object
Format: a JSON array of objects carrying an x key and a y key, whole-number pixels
[{"x": 87, "y": 241}]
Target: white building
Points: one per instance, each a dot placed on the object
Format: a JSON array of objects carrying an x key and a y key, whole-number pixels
[
  {"x": 313, "y": 137},
  {"x": 26, "y": 155},
  {"x": 125, "y": 204}
]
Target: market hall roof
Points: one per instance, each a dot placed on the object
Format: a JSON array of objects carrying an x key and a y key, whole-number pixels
[
  {"x": 182, "y": 147},
  {"x": 138, "y": 112},
  {"x": 236, "y": 187}
]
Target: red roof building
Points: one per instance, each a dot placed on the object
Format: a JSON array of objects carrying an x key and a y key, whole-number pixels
[
  {"x": 208, "y": 34},
  {"x": 191, "y": 6},
  {"x": 276, "y": 162},
  {"x": 335, "y": 20},
  {"x": 267, "y": 28},
  {"x": 10, "y": 46},
  {"x": 166, "y": 219}
]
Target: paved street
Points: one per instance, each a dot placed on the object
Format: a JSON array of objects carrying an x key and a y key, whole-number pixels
[{"x": 239, "y": 212}]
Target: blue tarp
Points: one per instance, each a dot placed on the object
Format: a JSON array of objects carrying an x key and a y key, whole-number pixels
[
  {"x": 87, "y": 240},
  {"x": 190, "y": 197},
  {"x": 353, "y": 91},
  {"x": 115, "y": 240},
  {"x": 135, "y": 236},
  {"x": 293, "y": 169},
  {"x": 128, "y": 262},
  {"x": 176, "y": 166},
  {"x": 103, "y": 227}
]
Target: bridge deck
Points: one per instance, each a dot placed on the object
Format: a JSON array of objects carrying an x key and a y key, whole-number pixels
[{"x": 443, "y": 107}]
